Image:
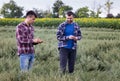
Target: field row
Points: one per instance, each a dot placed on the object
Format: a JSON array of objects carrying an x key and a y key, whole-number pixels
[
  {"x": 54, "y": 22},
  {"x": 98, "y": 56}
]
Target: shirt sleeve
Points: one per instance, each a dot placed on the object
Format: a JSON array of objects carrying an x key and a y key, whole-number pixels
[
  {"x": 20, "y": 37},
  {"x": 79, "y": 36},
  {"x": 60, "y": 34}
]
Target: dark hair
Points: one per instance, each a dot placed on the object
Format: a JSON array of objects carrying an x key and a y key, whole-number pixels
[
  {"x": 29, "y": 13},
  {"x": 69, "y": 13}
]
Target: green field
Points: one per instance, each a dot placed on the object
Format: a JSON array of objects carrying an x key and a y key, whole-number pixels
[{"x": 98, "y": 56}]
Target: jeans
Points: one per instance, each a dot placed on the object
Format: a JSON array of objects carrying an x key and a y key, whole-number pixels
[
  {"x": 26, "y": 62},
  {"x": 67, "y": 56}
]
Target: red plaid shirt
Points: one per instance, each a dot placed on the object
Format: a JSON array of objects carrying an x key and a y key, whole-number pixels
[{"x": 24, "y": 36}]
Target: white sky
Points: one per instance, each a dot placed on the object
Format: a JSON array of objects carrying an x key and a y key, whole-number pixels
[{"x": 47, "y": 4}]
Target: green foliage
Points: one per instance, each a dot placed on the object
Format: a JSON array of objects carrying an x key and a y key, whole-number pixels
[
  {"x": 11, "y": 10},
  {"x": 40, "y": 13},
  {"x": 95, "y": 14},
  {"x": 56, "y": 7},
  {"x": 118, "y": 15},
  {"x": 92, "y": 14},
  {"x": 108, "y": 6},
  {"x": 64, "y": 9},
  {"x": 82, "y": 12},
  {"x": 10, "y": 21},
  {"x": 59, "y": 9},
  {"x": 54, "y": 22},
  {"x": 98, "y": 57}
]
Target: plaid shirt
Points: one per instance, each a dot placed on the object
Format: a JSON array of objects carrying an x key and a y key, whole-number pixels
[
  {"x": 24, "y": 36},
  {"x": 63, "y": 39}
]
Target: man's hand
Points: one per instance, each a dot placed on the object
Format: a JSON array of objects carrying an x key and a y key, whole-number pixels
[
  {"x": 37, "y": 40},
  {"x": 73, "y": 37}
]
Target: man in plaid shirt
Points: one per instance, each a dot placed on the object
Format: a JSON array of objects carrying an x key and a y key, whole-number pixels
[
  {"x": 68, "y": 33},
  {"x": 25, "y": 41}
]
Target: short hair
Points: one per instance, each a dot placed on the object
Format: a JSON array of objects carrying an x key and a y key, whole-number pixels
[
  {"x": 29, "y": 13},
  {"x": 69, "y": 13}
]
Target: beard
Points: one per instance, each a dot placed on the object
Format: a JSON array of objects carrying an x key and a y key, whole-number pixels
[{"x": 69, "y": 21}]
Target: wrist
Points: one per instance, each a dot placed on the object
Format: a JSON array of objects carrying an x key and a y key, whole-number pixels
[
  {"x": 67, "y": 37},
  {"x": 76, "y": 38}
]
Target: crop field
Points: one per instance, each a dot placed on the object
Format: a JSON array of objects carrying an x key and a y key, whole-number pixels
[
  {"x": 112, "y": 23},
  {"x": 98, "y": 56}
]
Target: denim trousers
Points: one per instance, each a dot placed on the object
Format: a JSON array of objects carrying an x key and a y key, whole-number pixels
[
  {"x": 67, "y": 56},
  {"x": 26, "y": 62}
]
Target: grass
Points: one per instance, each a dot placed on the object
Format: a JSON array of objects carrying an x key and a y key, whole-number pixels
[{"x": 98, "y": 56}]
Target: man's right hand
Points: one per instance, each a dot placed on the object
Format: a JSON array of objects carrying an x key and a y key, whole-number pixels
[
  {"x": 37, "y": 40},
  {"x": 73, "y": 37},
  {"x": 40, "y": 41}
]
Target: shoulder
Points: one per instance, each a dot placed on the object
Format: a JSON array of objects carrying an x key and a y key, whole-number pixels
[
  {"x": 20, "y": 25},
  {"x": 62, "y": 24},
  {"x": 76, "y": 25}
]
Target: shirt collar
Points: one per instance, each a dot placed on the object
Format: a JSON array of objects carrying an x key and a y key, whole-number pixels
[
  {"x": 68, "y": 23},
  {"x": 26, "y": 24}
]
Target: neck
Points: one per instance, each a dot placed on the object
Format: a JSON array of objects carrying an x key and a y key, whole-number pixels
[
  {"x": 69, "y": 22},
  {"x": 27, "y": 23}
]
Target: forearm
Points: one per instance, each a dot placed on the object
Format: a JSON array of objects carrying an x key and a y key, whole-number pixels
[
  {"x": 78, "y": 37},
  {"x": 25, "y": 40},
  {"x": 62, "y": 38}
]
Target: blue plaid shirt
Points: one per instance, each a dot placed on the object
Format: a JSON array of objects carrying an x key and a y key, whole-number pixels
[{"x": 63, "y": 39}]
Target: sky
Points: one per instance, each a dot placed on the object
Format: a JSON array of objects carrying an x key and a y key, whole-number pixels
[{"x": 76, "y": 4}]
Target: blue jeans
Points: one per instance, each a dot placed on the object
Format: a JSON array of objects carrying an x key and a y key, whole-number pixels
[{"x": 26, "y": 61}]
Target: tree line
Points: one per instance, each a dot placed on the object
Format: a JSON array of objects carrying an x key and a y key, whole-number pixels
[{"x": 12, "y": 10}]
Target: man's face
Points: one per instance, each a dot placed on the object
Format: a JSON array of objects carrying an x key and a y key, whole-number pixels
[
  {"x": 31, "y": 19},
  {"x": 69, "y": 18}
]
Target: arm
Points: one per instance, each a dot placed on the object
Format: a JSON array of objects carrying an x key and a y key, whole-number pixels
[
  {"x": 37, "y": 41},
  {"x": 60, "y": 34},
  {"x": 79, "y": 36}
]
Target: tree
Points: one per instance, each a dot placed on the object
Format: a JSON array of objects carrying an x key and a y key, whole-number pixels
[
  {"x": 110, "y": 16},
  {"x": 118, "y": 15},
  {"x": 56, "y": 7},
  {"x": 47, "y": 14},
  {"x": 108, "y": 6},
  {"x": 64, "y": 9},
  {"x": 40, "y": 13},
  {"x": 43, "y": 14},
  {"x": 82, "y": 12},
  {"x": 10, "y": 10},
  {"x": 59, "y": 9},
  {"x": 98, "y": 11},
  {"x": 92, "y": 14}
]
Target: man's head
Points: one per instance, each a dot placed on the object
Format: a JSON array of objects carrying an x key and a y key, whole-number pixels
[
  {"x": 69, "y": 16},
  {"x": 30, "y": 17}
]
